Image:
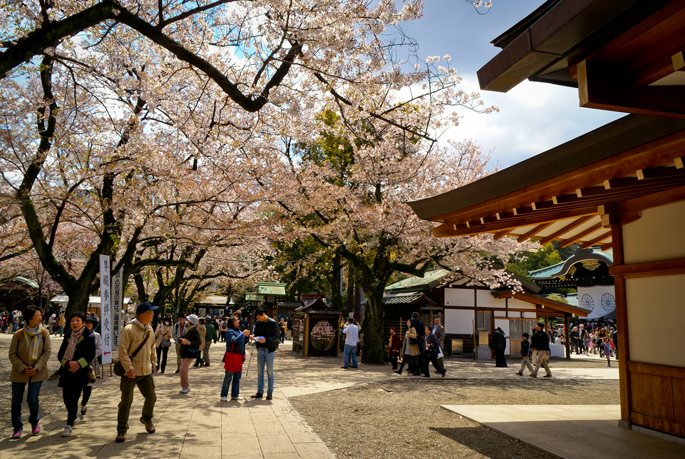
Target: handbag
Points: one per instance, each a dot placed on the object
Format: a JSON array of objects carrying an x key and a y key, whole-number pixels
[
  {"x": 119, "y": 368},
  {"x": 166, "y": 343},
  {"x": 233, "y": 362}
]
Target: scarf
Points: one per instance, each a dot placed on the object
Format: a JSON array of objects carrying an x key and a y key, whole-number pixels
[
  {"x": 32, "y": 337},
  {"x": 69, "y": 353}
]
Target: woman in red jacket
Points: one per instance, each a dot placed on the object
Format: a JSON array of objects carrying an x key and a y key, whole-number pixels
[{"x": 394, "y": 347}]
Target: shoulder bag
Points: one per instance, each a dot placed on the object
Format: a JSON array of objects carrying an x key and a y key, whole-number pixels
[
  {"x": 233, "y": 362},
  {"x": 119, "y": 368}
]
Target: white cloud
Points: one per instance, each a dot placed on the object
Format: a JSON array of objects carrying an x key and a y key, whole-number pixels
[{"x": 533, "y": 118}]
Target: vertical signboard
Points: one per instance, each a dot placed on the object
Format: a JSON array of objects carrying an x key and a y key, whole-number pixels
[
  {"x": 105, "y": 309},
  {"x": 117, "y": 305}
]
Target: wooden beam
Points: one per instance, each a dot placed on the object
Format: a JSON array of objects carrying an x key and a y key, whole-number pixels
[
  {"x": 579, "y": 236},
  {"x": 651, "y": 200},
  {"x": 447, "y": 230},
  {"x": 606, "y": 247},
  {"x": 679, "y": 163},
  {"x": 592, "y": 191},
  {"x": 650, "y": 268},
  {"x": 678, "y": 61},
  {"x": 657, "y": 173},
  {"x": 565, "y": 229},
  {"x": 622, "y": 324},
  {"x": 533, "y": 232},
  {"x": 499, "y": 235},
  {"x": 598, "y": 88},
  {"x": 596, "y": 240}
]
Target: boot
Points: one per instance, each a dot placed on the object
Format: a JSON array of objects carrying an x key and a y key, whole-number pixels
[{"x": 399, "y": 372}]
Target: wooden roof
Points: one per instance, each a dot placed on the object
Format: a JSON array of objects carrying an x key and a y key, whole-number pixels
[
  {"x": 623, "y": 55},
  {"x": 568, "y": 193},
  {"x": 545, "y": 306}
]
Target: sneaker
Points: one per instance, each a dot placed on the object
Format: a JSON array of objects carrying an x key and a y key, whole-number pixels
[
  {"x": 257, "y": 395},
  {"x": 237, "y": 398},
  {"x": 149, "y": 427},
  {"x": 178, "y": 370},
  {"x": 269, "y": 397},
  {"x": 344, "y": 367},
  {"x": 533, "y": 375},
  {"x": 78, "y": 419},
  {"x": 121, "y": 437},
  {"x": 225, "y": 399},
  {"x": 547, "y": 376},
  {"x": 84, "y": 409},
  {"x": 16, "y": 435},
  {"x": 184, "y": 391},
  {"x": 67, "y": 431},
  {"x": 519, "y": 373},
  {"x": 36, "y": 429}
]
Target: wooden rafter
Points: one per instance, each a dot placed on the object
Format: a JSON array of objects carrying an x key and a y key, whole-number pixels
[
  {"x": 582, "y": 234},
  {"x": 533, "y": 232},
  {"x": 499, "y": 235},
  {"x": 565, "y": 229},
  {"x": 596, "y": 240}
]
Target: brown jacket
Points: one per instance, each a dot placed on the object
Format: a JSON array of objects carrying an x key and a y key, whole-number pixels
[
  {"x": 203, "y": 333},
  {"x": 413, "y": 348},
  {"x": 131, "y": 336},
  {"x": 19, "y": 356}
]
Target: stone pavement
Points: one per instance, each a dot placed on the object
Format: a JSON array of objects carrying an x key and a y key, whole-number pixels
[
  {"x": 571, "y": 431},
  {"x": 200, "y": 425}
]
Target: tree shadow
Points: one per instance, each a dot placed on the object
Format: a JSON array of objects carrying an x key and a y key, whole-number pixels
[{"x": 472, "y": 438}]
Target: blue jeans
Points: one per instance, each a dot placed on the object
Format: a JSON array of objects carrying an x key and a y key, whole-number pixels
[
  {"x": 265, "y": 358},
  {"x": 32, "y": 399},
  {"x": 235, "y": 389},
  {"x": 350, "y": 351}
]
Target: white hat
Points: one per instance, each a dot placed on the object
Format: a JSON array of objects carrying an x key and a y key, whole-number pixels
[{"x": 193, "y": 319}]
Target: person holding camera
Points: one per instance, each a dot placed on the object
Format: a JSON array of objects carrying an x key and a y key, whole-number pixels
[
  {"x": 139, "y": 359},
  {"x": 267, "y": 340}
]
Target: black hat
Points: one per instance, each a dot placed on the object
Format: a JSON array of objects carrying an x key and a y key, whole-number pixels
[
  {"x": 92, "y": 318},
  {"x": 350, "y": 320},
  {"x": 144, "y": 307}
]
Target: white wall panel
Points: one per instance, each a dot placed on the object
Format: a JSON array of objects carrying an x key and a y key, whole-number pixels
[
  {"x": 459, "y": 297},
  {"x": 656, "y": 235},
  {"x": 519, "y": 304},
  {"x": 484, "y": 299},
  {"x": 459, "y": 321}
]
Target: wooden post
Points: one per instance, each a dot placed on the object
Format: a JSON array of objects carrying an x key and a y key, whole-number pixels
[
  {"x": 567, "y": 343},
  {"x": 622, "y": 328}
]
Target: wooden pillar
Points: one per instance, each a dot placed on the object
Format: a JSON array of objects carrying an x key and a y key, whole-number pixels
[
  {"x": 621, "y": 327},
  {"x": 567, "y": 334}
]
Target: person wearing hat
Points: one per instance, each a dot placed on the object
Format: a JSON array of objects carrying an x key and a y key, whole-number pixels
[
  {"x": 138, "y": 336},
  {"x": 499, "y": 344},
  {"x": 190, "y": 350},
  {"x": 91, "y": 323}
]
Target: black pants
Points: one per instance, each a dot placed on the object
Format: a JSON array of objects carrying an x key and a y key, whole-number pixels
[
  {"x": 422, "y": 362},
  {"x": 432, "y": 357},
  {"x": 393, "y": 360},
  {"x": 87, "y": 390},
  {"x": 282, "y": 336},
  {"x": 500, "y": 361},
  {"x": 162, "y": 352},
  {"x": 71, "y": 393}
]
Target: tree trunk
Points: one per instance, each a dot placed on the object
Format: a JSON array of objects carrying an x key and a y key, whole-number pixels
[
  {"x": 79, "y": 297},
  {"x": 373, "y": 349},
  {"x": 336, "y": 284}
]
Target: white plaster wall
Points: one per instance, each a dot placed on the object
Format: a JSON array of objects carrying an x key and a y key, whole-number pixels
[
  {"x": 530, "y": 315},
  {"x": 500, "y": 313},
  {"x": 519, "y": 304},
  {"x": 459, "y": 297},
  {"x": 656, "y": 320},
  {"x": 459, "y": 321},
  {"x": 484, "y": 299},
  {"x": 656, "y": 235}
]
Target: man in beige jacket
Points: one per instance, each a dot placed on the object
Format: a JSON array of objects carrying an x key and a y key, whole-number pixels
[
  {"x": 29, "y": 353},
  {"x": 137, "y": 334}
]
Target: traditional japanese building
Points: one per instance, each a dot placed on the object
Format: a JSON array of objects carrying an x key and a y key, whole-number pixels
[
  {"x": 588, "y": 272},
  {"x": 621, "y": 186}
]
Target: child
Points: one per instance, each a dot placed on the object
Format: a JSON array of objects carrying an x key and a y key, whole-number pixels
[
  {"x": 586, "y": 343},
  {"x": 607, "y": 350},
  {"x": 525, "y": 353}
]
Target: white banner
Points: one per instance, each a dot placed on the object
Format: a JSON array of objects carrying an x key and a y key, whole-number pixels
[
  {"x": 105, "y": 309},
  {"x": 117, "y": 305},
  {"x": 599, "y": 300}
]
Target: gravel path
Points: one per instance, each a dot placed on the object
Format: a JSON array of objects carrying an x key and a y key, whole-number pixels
[{"x": 403, "y": 418}]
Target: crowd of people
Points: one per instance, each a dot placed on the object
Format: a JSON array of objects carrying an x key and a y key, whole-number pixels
[
  {"x": 143, "y": 351},
  {"x": 421, "y": 345}
]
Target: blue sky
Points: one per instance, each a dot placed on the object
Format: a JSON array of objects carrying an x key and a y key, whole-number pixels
[{"x": 533, "y": 117}]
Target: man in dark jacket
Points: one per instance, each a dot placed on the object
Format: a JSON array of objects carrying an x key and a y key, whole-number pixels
[
  {"x": 540, "y": 348},
  {"x": 266, "y": 339},
  {"x": 499, "y": 343},
  {"x": 421, "y": 332}
]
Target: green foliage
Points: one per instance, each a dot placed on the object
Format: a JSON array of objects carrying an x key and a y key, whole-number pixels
[
  {"x": 557, "y": 297},
  {"x": 546, "y": 256}
]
